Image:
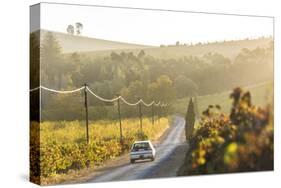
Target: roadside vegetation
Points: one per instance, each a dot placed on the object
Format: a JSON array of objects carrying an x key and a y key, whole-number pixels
[
  {"x": 239, "y": 141},
  {"x": 63, "y": 147}
]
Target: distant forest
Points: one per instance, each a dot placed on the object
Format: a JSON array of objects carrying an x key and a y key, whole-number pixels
[{"x": 134, "y": 75}]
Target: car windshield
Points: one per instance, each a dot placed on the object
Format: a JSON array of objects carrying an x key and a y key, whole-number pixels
[{"x": 141, "y": 146}]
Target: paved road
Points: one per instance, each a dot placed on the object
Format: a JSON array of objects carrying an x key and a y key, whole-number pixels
[{"x": 140, "y": 170}]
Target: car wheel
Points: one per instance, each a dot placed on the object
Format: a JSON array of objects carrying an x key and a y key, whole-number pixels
[{"x": 132, "y": 161}]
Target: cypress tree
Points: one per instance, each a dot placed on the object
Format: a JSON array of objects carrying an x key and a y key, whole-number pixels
[{"x": 189, "y": 120}]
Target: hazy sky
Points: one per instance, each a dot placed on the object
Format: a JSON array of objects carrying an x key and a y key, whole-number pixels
[{"x": 153, "y": 27}]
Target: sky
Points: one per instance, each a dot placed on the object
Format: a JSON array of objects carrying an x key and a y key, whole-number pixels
[{"x": 153, "y": 27}]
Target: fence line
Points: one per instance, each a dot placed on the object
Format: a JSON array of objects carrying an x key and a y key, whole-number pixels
[
  {"x": 34, "y": 89},
  {"x": 128, "y": 103},
  {"x": 99, "y": 97},
  {"x": 62, "y": 92},
  {"x": 86, "y": 88}
]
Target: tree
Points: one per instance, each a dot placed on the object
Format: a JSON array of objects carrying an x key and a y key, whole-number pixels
[
  {"x": 34, "y": 75},
  {"x": 185, "y": 87},
  {"x": 115, "y": 56},
  {"x": 34, "y": 54},
  {"x": 216, "y": 58},
  {"x": 162, "y": 89},
  {"x": 70, "y": 29},
  {"x": 189, "y": 120},
  {"x": 104, "y": 89},
  {"x": 79, "y": 27},
  {"x": 141, "y": 54},
  {"x": 51, "y": 61},
  {"x": 136, "y": 89}
]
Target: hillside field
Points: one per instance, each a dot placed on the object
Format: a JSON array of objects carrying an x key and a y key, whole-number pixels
[
  {"x": 73, "y": 43},
  {"x": 93, "y": 47},
  {"x": 261, "y": 95},
  {"x": 228, "y": 49}
]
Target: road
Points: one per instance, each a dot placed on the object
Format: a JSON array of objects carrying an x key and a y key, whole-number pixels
[{"x": 141, "y": 170}]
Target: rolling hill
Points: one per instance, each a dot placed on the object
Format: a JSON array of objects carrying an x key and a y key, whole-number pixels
[
  {"x": 261, "y": 95},
  {"x": 99, "y": 47},
  {"x": 73, "y": 43},
  {"x": 228, "y": 49}
]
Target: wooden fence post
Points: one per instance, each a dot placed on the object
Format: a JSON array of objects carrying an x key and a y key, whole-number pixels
[
  {"x": 152, "y": 113},
  {"x": 140, "y": 114},
  {"x": 86, "y": 110},
  {"x": 120, "y": 123},
  {"x": 159, "y": 113}
]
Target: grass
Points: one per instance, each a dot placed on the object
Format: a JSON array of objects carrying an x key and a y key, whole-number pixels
[{"x": 261, "y": 95}]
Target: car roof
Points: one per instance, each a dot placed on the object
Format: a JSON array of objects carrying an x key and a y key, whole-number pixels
[{"x": 144, "y": 141}]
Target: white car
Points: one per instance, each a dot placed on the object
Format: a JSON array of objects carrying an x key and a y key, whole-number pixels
[{"x": 142, "y": 150}]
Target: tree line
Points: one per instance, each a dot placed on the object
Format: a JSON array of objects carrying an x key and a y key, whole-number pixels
[{"x": 143, "y": 76}]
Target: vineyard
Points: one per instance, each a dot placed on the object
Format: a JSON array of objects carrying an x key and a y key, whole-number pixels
[
  {"x": 57, "y": 147},
  {"x": 63, "y": 147},
  {"x": 235, "y": 142}
]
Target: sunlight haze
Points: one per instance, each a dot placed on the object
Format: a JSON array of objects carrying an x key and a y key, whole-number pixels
[{"x": 153, "y": 27}]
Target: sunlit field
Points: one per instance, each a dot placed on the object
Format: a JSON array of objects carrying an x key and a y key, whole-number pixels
[
  {"x": 102, "y": 130},
  {"x": 261, "y": 95},
  {"x": 63, "y": 145}
]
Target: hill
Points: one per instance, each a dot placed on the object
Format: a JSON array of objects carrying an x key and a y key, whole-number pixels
[
  {"x": 73, "y": 43},
  {"x": 94, "y": 47},
  {"x": 228, "y": 49},
  {"x": 261, "y": 96}
]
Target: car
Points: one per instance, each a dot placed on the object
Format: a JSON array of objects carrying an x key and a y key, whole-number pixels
[{"x": 142, "y": 150}]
